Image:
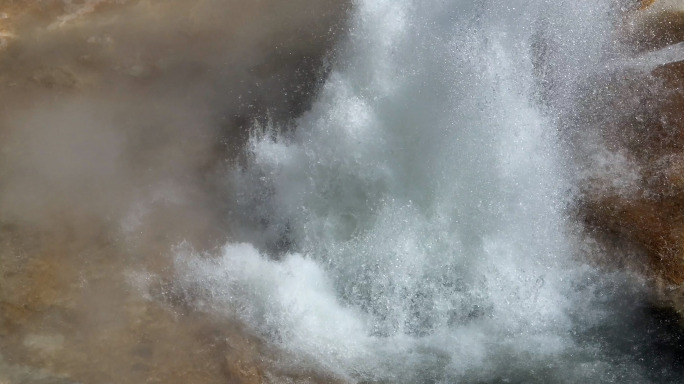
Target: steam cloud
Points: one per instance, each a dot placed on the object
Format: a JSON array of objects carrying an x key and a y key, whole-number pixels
[{"x": 118, "y": 120}]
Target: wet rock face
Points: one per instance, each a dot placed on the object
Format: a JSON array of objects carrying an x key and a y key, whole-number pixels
[
  {"x": 657, "y": 25},
  {"x": 117, "y": 119},
  {"x": 645, "y": 124}
]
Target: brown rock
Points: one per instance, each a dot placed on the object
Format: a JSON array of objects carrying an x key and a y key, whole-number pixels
[
  {"x": 658, "y": 23},
  {"x": 657, "y": 226},
  {"x": 650, "y": 131}
]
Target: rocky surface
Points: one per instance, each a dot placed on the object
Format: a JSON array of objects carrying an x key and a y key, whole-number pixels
[
  {"x": 644, "y": 126},
  {"x": 116, "y": 120}
]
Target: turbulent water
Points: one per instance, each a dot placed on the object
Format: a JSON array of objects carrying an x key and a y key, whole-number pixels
[{"x": 415, "y": 226}]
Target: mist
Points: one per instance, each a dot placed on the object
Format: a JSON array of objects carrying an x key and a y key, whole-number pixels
[{"x": 118, "y": 120}]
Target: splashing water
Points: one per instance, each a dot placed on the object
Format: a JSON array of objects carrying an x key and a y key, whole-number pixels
[{"x": 412, "y": 227}]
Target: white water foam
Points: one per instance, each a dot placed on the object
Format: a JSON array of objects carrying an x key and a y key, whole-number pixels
[{"x": 412, "y": 226}]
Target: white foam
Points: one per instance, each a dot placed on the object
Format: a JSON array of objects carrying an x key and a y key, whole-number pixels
[{"x": 420, "y": 204}]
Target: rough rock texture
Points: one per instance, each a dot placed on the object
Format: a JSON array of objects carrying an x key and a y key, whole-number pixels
[
  {"x": 656, "y": 25},
  {"x": 117, "y": 118},
  {"x": 645, "y": 125}
]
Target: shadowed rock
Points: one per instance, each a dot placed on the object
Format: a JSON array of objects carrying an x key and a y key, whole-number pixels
[{"x": 646, "y": 124}]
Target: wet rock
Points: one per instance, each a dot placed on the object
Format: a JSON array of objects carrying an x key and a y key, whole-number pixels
[
  {"x": 650, "y": 133},
  {"x": 657, "y": 24}
]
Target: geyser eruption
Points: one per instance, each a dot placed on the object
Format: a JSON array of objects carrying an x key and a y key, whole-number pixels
[
  {"x": 407, "y": 207},
  {"x": 413, "y": 226}
]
